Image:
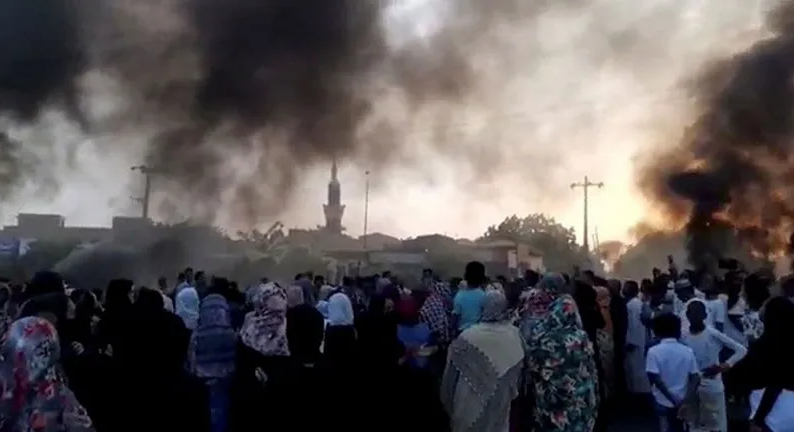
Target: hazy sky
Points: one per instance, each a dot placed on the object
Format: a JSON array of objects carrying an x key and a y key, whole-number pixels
[{"x": 581, "y": 91}]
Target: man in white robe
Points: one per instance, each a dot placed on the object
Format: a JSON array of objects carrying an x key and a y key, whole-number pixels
[{"x": 636, "y": 378}]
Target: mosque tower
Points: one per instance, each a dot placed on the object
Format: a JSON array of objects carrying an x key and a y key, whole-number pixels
[{"x": 334, "y": 208}]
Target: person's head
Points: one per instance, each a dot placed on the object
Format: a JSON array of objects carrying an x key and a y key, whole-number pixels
[
  {"x": 340, "y": 310},
  {"x": 54, "y": 307},
  {"x": 200, "y": 279},
  {"x": 778, "y": 318},
  {"x": 696, "y": 313},
  {"x": 408, "y": 311},
  {"x": 44, "y": 282},
  {"x": 494, "y": 307},
  {"x": 181, "y": 278},
  {"x": 34, "y": 341},
  {"x": 667, "y": 326},
  {"x": 684, "y": 290},
  {"x": 219, "y": 285},
  {"x": 295, "y": 296},
  {"x": 149, "y": 301},
  {"x": 531, "y": 278},
  {"x": 118, "y": 294},
  {"x": 614, "y": 287},
  {"x": 85, "y": 303},
  {"x": 474, "y": 275},
  {"x": 631, "y": 289},
  {"x": 189, "y": 275},
  {"x": 319, "y": 281},
  {"x": 656, "y": 272},
  {"x": 658, "y": 292},
  {"x": 162, "y": 283},
  {"x": 603, "y": 296},
  {"x": 756, "y": 291},
  {"x": 646, "y": 286},
  {"x": 552, "y": 283}
]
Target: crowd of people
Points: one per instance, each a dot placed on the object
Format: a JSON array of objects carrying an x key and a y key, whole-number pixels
[{"x": 550, "y": 352}]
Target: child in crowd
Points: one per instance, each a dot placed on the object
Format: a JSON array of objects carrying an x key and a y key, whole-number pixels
[
  {"x": 707, "y": 343},
  {"x": 673, "y": 372}
]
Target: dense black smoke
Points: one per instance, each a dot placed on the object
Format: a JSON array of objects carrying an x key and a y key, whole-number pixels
[
  {"x": 42, "y": 56},
  {"x": 731, "y": 178},
  {"x": 288, "y": 83}
]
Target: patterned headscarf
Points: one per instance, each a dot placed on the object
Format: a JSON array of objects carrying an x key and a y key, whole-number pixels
[
  {"x": 494, "y": 307},
  {"x": 536, "y": 302},
  {"x": 295, "y": 296},
  {"x": 436, "y": 311},
  {"x": 33, "y": 393},
  {"x": 213, "y": 342},
  {"x": 265, "y": 328}
]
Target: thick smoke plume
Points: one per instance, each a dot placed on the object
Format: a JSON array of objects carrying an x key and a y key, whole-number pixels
[
  {"x": 232, "y": 103},
  {"x": 280, "y": 84},
  {"x": 731, "y": 179}
]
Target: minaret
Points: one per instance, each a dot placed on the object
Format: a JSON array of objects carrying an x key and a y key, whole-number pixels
[{"x": 334, "y": 208}]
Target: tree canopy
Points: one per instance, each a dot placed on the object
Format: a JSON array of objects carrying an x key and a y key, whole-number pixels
[{"x": 546, "y": 236}]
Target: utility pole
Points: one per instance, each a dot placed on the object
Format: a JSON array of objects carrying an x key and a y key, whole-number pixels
[
  {"x": 586, "y": 185},
  {"x": 147, "y": 189},
  {"x": 366, "y": 208}
]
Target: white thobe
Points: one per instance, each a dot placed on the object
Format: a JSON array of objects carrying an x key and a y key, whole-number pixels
[{"x": 636, "y": 378}]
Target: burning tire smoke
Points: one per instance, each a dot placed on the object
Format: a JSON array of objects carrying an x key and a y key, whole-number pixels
[{"x": 731, "y": 179}]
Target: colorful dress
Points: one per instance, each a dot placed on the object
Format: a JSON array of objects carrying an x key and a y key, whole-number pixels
[
  {"x": 561, "y": 367},
  {"x": 606, "y": 342}
]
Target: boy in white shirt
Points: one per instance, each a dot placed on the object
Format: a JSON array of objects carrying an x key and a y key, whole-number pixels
[
  {"x": 673, "y": 372},
  {"x": 707, "y": 343}
]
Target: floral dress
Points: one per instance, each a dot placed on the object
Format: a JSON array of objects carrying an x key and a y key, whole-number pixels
[{"x": 561, "y": 369}]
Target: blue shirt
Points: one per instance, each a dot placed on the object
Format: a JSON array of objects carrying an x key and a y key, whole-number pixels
[
  {"x": 414, "y": 337},
  {"x": 468, "y": 307}
]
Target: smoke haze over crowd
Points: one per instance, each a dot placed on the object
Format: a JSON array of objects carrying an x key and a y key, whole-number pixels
[{"x": 235, "y": 103}]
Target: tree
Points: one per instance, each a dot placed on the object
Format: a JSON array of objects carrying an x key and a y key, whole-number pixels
[{"x": 544, "y": 235}]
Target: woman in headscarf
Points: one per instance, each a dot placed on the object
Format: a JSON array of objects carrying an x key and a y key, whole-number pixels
[
  {"x": 562, "y": 371},
  {"x": 114, "y": 326},
  {"x": 340, "y": 334},
  {"x": 35, "y": 396},
  {"x": 186, "y": 305},
  {"x": 484, "y": 370},
  {"x": 263, "y": 358},
  {"x": 312, "y": 378},
  {"x": 305, "y": 328},
  {"x": 212, "y": 354},
  {"x": 84, "y": 364},
  {"x": 606, "y": 341},
  {"x": 437, "y": 313},
  {"x": 154, "y": 371}
]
